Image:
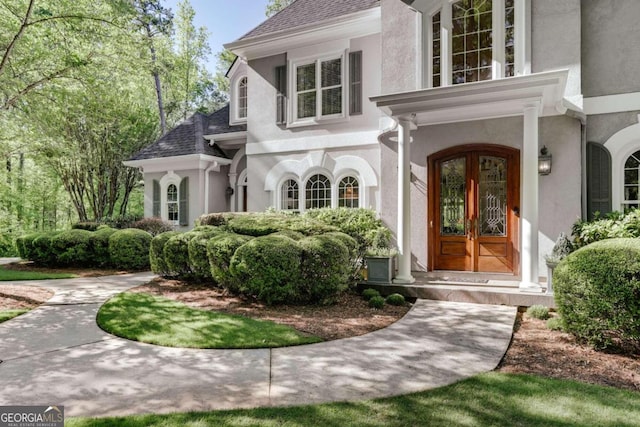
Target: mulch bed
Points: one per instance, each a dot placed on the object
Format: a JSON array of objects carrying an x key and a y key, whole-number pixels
[{"x": 16, "y": 297}]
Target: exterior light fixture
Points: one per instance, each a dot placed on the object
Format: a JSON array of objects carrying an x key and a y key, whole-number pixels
[
  {"x": 544, "y": 161},
  {"x": 229, "y": 191}
]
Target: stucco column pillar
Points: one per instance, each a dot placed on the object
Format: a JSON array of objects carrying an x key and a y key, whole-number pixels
[
  {"x": 529, "y": 201},
  {"x": 404, "y": 202}
]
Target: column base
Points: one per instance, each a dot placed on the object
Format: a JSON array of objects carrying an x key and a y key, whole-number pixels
[
  {"x": 530, "y": 287},
  {"x": 404, "y": 280}
]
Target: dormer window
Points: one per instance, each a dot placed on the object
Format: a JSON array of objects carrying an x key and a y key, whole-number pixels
[
  {"x": 239, "y": 105},
  {"x": 242, "y": 98},
  {"x": 475, "y": 40}
]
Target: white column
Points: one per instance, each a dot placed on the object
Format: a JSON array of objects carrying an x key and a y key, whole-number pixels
[
  {"x": 232, "y": 184},
  {"x": 404, "y": 202},
  {"x": 529, "y": 201}
]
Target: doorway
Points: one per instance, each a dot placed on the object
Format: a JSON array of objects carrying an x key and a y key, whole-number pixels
[{"x": 474, "y": 198}]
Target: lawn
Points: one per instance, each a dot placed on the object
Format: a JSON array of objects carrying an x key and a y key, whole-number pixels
[
  {"x": 14, "y": 275},
  {"x": 157, "y": 320},
  {"x": 10, "y": 314},
  {"x": 492, "y": 399}
]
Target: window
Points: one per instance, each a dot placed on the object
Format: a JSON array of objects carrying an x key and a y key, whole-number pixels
[
  {"x": 319, "y": 89},
  {"x": 290, "y": 195},
  {"x": 172, "y": 204},
  {"x": 242, "y": 98},
  {"x": 475, "y": 46},
  {"x": 318, "y": 192},
  {"x": 632, "y": 182},
  {"x": 348, "y": 196}
]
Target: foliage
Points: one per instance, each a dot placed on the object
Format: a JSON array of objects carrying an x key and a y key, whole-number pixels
[
  {"x": 614, "y": 225},
  {"x": 156, "y": 253},
  {"x": 561, "y": 249},
  {"x": 72, "y": 248},
  {"x": 16, "y": 275},
  {"x": 129, "y": 249},
  {"x": 324, "y": 270},
  {"x": 215, "y": 219},
  {"x": 86, "y": 225},
  {"x": 162, "y": 321},
  {"x": 395, "y": 299},
  {"x": 555, "y": 324},
  {"x": 197, "y": 247},
  {"x": 42, "y": 250},
  {"x": 10, "y": 314},
  {"x": 275, "y": 6},
  {"x": 376, "y": 302},
  {"x": 153, "y": 226},
  {"x": 361, "y": 224},
  {"x": 176, "y": 255},
  {"x": 24, "y": 244},
  {"x": 262, "y": 224},
  {"x": 268, "y": 268},
  {"x": 220, "y": 250},
  {"x": 369, "y": 293},
  {"x": 597, "y": 292},
  {"x": 538, "y": 312},
  {"x": 100, "y": 246}
]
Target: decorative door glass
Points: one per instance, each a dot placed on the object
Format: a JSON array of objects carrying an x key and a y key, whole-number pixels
[
  {"x": 453, "y": 191},
  {"x": 492, "y": 196}
]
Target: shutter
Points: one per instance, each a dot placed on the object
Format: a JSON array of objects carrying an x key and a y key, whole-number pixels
[
  {"x": 355, "y": 83},
  {"x": 281, "y": 96},
  {"x": 156, "y": 199},
  {"x": 598, "y": 179},
  {"x": 183, "y": 213}
]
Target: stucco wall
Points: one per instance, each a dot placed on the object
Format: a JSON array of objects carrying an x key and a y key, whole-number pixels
[
  {"x": 610, "y": 46},
  {"x": 400, "y": 57},
  {"x": 601, "y": 127},
  {"x": 560, "y": 192}
]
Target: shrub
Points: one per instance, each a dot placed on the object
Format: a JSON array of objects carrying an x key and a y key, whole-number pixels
[
  {"x": 354, "y": 256},
  {"x": 215, "y": 219},
  {"x": 72, "y": 248},
  {"x": 129, "y": 249},
  {"x": 262, "y": 224},
  {"x": 324, "y": 269},
  {"x": 220, "y": 250},
  {"x": 121, "y": 222},
  {"x": 538, "y": 312},
  {"x": 295, "y": 235},
  {"x": 156, "y": 253},
  {"x": 86, "y": 225},
  {"x": 100, "y": 245},
  {"x": 597, "y": 292},
  {"x": 197, "y": 249},
  {"x": 7, "y": 244},
  {"x": 268, "y": 268},
  {"x": 153, "y": 226},
  {"x": 42, "y": 250},
  {"x": 24, "y": 245},
  {"x": 369, "y": 293},
  {"x": 615, "y": 225},
  {"x": 176, "y": 255},
  {"x": 376, "y": 302},
  {"x": 555, "y": 324},
  {"x": 395, "y": 299},
  {"x": 361, "y": 224}
]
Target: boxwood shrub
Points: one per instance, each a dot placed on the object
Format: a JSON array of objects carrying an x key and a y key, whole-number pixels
[
  {"x": 129, "y": 249},
  {"x": 42, "y": 251},
  {"x": 99, "y": 240},
  {"x": 268, "y": 268},
  {"x": 24, "y": 244},
  {"x": 156, "y": 253},
  {"x": 72, "y": 248},
  {"x": 176, "y": 255},
  {"x": 197, "y": 251},
  {"x": 220, "y": 250},
  {"x": 324, "y": 270},
  {"x": 597, "y": 293}
]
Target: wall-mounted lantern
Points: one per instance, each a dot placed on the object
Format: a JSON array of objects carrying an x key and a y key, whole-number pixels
[{"x": 544, "y": 161}]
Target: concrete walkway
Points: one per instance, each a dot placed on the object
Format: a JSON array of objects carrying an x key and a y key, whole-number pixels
[{"x": 57, "y": 355}]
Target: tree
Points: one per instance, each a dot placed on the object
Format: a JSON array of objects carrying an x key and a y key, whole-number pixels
[{"x": 275, "y": 6}]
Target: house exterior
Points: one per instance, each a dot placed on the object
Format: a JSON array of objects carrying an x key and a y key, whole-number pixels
[{"x": 432, "y": 112}]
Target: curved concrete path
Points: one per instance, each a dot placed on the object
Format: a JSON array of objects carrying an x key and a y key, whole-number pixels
[{"x": 57, "y": 355}]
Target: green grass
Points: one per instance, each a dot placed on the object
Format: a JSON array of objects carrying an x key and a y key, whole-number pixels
[
  {"x": 13, "y": 275},
  {"x": 157, "y": 320},
  {"x": 10, "y": 314},
  {"x": 485, "y": 400}
]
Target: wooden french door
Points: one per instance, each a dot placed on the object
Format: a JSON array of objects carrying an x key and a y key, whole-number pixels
[{"x": 474, "y": 193}]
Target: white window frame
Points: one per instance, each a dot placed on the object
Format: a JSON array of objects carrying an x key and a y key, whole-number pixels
[
  {"x": 235, "y": 117},
  {"x": 292, "y": 67},
  {"x": 339, "y": 180},
  {"x": 169, "y": 179},
  {"x": 624, "y": 202},
  {"x": 621, "y": 145},
  {"x": 522, "y": 40},
  {"x": 282, "y": 196}
]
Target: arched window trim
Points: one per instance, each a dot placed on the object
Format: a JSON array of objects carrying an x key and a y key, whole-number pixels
[
  {"x": 621, "y": 145},
  {"x": 167, "y": 180},
  {"x": 331, "y": 185},
  {"x": 242, "y": 95},
  {"x": 629, "y": 202},
  {"x": 281, "y": 195},
  {"x": 236, "y": 117},
  {"x": 338, "y": 184}
]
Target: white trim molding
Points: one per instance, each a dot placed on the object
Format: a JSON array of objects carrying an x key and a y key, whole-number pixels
[
  {"x": 190, "y": 161},
  {"x": 612, "y": 103}
]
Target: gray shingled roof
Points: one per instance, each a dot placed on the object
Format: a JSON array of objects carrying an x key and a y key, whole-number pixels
[
  {"x": 305, "y": 12},
  {"x": 188, "y": 137}
]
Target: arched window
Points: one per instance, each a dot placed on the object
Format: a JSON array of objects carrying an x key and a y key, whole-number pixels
[
  {"x": 318, "y": 192},
  {"x": 242, "y": 98},
  {"x": 632, "y": 182},
  {"x": 290, "y": 195},
  {"x": 173, "y": 211},
  {"x": 348, "y": 194}
]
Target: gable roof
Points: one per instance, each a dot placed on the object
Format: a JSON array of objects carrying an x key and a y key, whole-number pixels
[
  {"x": 188, "y": 137},
  {"x": 301, "y": 13}
]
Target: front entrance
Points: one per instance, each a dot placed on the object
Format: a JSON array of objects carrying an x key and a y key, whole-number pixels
[{"x": 474, "y": 198}]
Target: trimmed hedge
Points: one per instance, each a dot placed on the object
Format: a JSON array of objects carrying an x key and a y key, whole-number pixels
[
  {"x": 153, "y": 226},
  {"x": 24, "y": 244},
  {"x": 71, "y": 248},
  {"x": 176, "y": 255},
  {"x": 220, "y": 250},
  {"x": 324, "y": 269},
  {"x": 42, "y": 252},
  {"x": 597, "y": 292},
  {"x": 129, "y": 248},
  {"x": 156, "y": 253},
  {"x": 614, "y": 225},
  {"x": 268, "y": 268},
  {"x": 197, "y": 248},
  {"x": 99, "y": 240}
]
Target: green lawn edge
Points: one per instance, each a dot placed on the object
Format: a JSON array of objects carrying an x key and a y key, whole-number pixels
[
  {"x": 15, "y": 275},
  {"x": 492, "y": 399},
  {"x": 162, "y": 321},
  {"x": 10, "y": 314}
]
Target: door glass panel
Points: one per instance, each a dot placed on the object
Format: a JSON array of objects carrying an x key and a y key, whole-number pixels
[
  {"x": 492, "y": 196},
  {"x": 453, "y": 197}
]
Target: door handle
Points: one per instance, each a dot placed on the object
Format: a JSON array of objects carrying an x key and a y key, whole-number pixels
[{"x": 516, "y": 211}]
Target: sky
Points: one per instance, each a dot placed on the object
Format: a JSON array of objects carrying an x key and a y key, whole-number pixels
[{"x": 226, "y": 20}]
